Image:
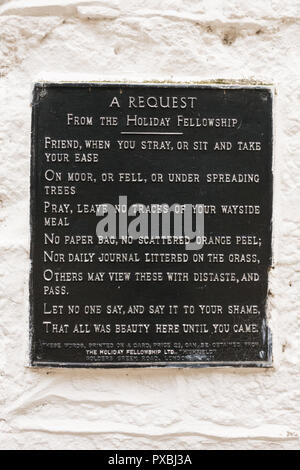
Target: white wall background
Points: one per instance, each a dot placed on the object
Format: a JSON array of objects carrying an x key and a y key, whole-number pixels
[{"x": 138, "y": 40}]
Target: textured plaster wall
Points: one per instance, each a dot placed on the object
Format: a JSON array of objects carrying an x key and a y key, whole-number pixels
[{"x": 137, "y": 40}]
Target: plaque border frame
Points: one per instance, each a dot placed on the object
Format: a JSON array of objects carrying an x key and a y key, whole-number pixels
[{"x": 219, "y": 84}]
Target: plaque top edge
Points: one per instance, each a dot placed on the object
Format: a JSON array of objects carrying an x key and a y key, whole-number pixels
[{"x": 163, "y": 84}]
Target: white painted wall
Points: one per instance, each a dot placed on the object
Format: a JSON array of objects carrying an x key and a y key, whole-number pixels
[{"x": 138, "y": 40}]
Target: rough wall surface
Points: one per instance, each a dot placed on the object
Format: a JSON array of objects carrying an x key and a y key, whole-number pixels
[{"x": 135, "y": 40}]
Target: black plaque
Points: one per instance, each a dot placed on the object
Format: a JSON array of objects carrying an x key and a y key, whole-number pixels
[{"x": 125, "y": 301}]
